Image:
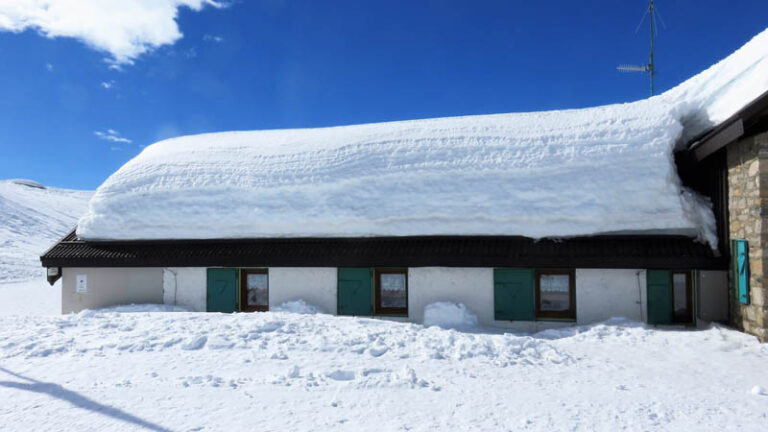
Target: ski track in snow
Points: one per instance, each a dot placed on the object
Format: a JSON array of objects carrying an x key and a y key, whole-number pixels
[{"x": 102, "y": 370}]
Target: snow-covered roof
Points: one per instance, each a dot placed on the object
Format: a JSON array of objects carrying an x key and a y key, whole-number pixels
[{"x": 564, "y": 173}]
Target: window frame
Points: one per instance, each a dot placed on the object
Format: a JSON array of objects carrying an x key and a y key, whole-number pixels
[
  {"x": 569, "y": 314},
  {"x": 244, "y": 306},
  {"x": 391, "y": 311},
  {"x": 690, "y": 319}
]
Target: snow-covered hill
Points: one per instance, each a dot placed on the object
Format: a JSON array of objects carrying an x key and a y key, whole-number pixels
[{"x": 32, "y": 217}]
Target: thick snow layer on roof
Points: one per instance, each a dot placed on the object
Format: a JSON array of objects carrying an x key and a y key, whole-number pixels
[{"x": 545, "y": 174}]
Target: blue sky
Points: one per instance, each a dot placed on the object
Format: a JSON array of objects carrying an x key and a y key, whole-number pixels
[{"x": 75, "y": 106}]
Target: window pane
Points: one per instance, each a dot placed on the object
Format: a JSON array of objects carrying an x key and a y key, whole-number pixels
[
  {"x": 393, "y": 290},
  {"x": 554, "y": 292},
  {"x": 258, "y": 290},
  {"x": 680, "y": 296}
]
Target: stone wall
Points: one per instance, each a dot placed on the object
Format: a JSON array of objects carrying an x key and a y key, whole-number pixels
[{"x": 748, "y": 214}]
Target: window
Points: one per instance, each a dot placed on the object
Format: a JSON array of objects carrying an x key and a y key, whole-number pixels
[
  {"x": 254, "y": 290},
  {"x": 555, "y": 295},
  {"x": 681, "y": 298},
  {"x": 391, "y": 291}
]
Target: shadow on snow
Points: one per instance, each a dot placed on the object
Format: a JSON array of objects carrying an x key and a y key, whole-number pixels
[{"x": 76, "y": 399}]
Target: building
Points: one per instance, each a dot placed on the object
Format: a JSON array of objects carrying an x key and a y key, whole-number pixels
[
  {"x": 531, "y": 220},
  {"x": 729, "y": 164}
]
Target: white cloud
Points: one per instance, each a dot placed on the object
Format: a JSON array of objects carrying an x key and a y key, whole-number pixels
[
  {"x": 213, "y": 38},
  {"x": 49, "y": 67},
  {"x": 107, "y": 84},
  {"x": 112, "y": 135},
  {"x": 125, "y": 29}
]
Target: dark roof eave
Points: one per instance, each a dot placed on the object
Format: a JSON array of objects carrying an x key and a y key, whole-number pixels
[{"x": 607, "y": 251}]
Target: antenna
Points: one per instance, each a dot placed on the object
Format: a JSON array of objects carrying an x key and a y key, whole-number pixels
[{"x": 650, "y": 67}]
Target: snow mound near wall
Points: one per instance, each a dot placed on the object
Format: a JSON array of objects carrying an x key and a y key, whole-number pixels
[
  {"x": 133, "y": 308},
  {"x": 298, "y": 307},
  {"x": 548, "y": 174},
  {"x": 449, "y": 315}
]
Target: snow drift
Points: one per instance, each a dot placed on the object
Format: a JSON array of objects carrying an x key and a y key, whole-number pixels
[
  {"x": 298, "y": 307},
  {"x": 545, "y": 174},
  {"x": 449, "y": 315}
]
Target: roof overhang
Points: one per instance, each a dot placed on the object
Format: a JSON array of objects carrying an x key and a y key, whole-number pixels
[{"x": 607, "y": 251}]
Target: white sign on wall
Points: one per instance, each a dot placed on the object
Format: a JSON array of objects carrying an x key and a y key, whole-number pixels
[{"x": 82, "y": 284}]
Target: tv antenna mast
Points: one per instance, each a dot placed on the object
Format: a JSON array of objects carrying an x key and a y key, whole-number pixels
[{"x": 650, "y": 67}]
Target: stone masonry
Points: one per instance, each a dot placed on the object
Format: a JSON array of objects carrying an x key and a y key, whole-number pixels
[{"x": 748, "y": 215}]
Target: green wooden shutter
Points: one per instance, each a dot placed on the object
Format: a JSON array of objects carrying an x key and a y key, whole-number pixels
[
  {"x": 659, "y": 284},
  {"x": 222, "y": 292},
  {"x": 354, "y": 291},
  {"x": 740, "y": 253},
  {"x": 513, "y": 297}
]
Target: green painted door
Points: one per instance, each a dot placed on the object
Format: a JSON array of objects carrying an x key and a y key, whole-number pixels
[
  {"x": 659, "y": 297},
  {"x": 354, "y": 291},
  {"x": 222, "y": 290},
  {"x": 513, "y": 297}
]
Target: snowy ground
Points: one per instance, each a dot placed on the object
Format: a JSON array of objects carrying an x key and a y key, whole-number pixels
[
  {"x": 284, "y": 371},
  {"x": 32, "y": 297}
]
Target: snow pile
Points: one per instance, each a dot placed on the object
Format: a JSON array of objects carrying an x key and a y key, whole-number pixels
[
  {"x": 298, "y": 307},
  {"x": 133, "y": 308},
  {"x": 32, "y": 217},
  {"x": 449, "y": 315},
  {"x": 196, "y": 371},
  {"x": 546, "y": 174}
]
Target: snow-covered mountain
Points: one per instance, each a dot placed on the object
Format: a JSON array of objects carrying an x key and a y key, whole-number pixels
[{"x": 32, "y": 217}]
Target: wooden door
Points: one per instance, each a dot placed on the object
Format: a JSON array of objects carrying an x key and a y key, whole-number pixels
[
  {"x": 659, "y": 284},
  {"x": 222, "y": 290},
  {"x": 354, "y": 291}
]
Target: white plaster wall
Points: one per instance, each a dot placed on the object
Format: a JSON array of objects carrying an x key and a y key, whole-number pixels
[
  {"x": 606, "y": 293},
  {"x": 111, "y": 287},
  {"x": 315, "y": 285},
  {"x": 471, "y": 286},
  {"x": 712, "y": 295},
  {"x": 186, "y": 287}
]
